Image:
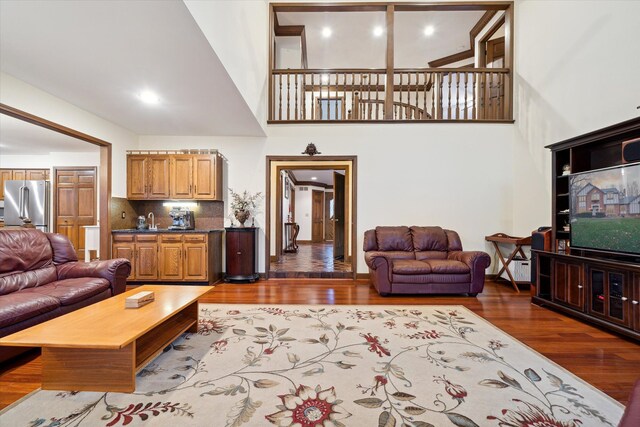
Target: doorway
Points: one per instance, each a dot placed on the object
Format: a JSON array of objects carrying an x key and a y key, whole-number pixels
[
  {"x": 302, "y": 195},
  {"x": 103, "y": 173},
  {"x": 75, "y": 203}
]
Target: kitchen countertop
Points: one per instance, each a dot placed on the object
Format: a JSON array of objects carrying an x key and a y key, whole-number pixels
[{"x": 165, "y": 230}]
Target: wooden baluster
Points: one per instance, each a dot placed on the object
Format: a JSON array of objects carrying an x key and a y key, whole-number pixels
[
  {"x": 490, "y": 96},
  {"x": 376, "y": 116},
  {"x": 369, "y": 105},
  {"x": 466, "y": 80},
  {"x": 303, "y": 96},
  {"x": 288, "y": 97},
  {"x": 457, "y": 95},
  {"x": 296, "y": 95},
  {"x": 475, "y": 96},
  {"x": 483, "y": 100},
  {"x": 344, "y": 95},
  {"x": 432, "y": 79},
  {"x": 280, "y": 99},
  {"x": 424, "y": 99},
  {"x": 353, "y": 104},
  {"x": 417, "y": 108},
  {"x": 401, "y": 96},
  {"x": 449, "y": 97},
  {"x": 501, "y": 97},
  {"x": 313, "y": 97}
]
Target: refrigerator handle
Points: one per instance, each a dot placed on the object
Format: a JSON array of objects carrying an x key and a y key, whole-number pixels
[
  {"x": 24, "y": 202},
  {"x": 20, "y": 202}
]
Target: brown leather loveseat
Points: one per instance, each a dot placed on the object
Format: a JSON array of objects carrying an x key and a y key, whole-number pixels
[
  {"x": 41, "y": 278},
  {"x": 422, "y": 260}
]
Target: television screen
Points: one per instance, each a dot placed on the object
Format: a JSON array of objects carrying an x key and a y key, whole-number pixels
[{"x": 605, "y": 209}]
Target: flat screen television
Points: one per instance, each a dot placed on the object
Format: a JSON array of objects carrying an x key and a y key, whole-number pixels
[{"x": 604, "y": 207}]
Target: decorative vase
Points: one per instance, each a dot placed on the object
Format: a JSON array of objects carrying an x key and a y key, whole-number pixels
[{"x": 242, "y": 216}]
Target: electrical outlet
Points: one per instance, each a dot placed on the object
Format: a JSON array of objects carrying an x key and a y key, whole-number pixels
[{"x": 123, "y": 215}]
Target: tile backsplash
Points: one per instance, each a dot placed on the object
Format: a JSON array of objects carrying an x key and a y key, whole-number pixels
[{"x": 208, "y": 215}]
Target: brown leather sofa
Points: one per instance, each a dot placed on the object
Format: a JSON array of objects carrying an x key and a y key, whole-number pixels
[
  {"x": 422, "y": 260},
  {"x": 41, "y": 278}
]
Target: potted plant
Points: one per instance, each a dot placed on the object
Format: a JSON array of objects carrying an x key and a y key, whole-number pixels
[{"x": 243, "y": 204}]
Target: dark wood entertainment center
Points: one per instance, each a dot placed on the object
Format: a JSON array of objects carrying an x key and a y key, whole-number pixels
[{"x": 601, "y": 287}]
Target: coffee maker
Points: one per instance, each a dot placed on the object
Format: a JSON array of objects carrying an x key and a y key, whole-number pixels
[{"x": 182, "y": 219}]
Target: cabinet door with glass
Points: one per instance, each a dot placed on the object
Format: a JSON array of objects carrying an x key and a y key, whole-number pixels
[{"x": 610, "y": 295}]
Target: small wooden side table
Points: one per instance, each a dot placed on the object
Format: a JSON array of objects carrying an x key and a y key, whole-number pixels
[
  {"x": 291, "y": 230},
  {"x": 518, "y": 242}
]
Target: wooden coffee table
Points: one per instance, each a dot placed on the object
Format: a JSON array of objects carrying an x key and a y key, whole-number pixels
[{"x": 102, "y": 346}]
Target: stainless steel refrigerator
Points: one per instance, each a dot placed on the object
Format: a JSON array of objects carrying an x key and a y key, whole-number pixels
[{"x": 26, "y": 200}]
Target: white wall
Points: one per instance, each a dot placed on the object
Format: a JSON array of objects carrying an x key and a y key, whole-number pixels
[
  {"x": 303, "y": 210},
  {"x": 20, "y": 95},
  {"x": 237, "y": 31},
  {"x": 577, "y": 68},
  {"x": 455, "y": 176}
]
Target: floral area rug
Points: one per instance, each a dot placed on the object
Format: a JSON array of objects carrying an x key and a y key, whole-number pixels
[{"x": 336, "y": 366}]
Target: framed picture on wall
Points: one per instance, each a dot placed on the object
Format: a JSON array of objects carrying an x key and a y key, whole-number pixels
[{"x": 286, "y": 187}]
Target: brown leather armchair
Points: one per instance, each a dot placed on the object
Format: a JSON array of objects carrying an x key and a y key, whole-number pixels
[
  {"x": 41, "y": 278},
  {"x": 422, "y": 260}
]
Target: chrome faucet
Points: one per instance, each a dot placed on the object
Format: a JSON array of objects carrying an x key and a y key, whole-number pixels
[{"x": 153, "y": 221}]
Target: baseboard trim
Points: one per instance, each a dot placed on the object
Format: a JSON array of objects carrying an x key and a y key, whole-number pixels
[{"x": 362, "y": 276}]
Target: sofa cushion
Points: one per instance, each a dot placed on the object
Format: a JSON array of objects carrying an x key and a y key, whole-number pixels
[
  {"x": 455, "y": 244},
  {"x": 448, "y": 266},
  {"x": 27, "y": 279},
  {"x": 429, "y": 238},
  {"x": 410, "y": 267},
  {"x": 63, "y": 250},
  {"x": 418, "y": 279},
  {"x": 394, "y": 239},
  {"x": 24, "y": 250},
  {"x": 19, "y": 306},
  {"x": 424, "y": 255},
  {"x": 71, "y": 291}
]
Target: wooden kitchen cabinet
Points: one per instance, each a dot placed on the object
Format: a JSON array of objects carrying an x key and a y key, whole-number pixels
[
  {"x": 148, "y": 177},
  {"x": 141, "y": 250},
  {"x": 181, "y": 177},
  {"x": 5, "y": 175},
  {"x": 242, "y": 254},
  {"x": 174, "y": 176},
  {"x": 195, "y": 257},
  {"x": 207, "y": 177},
  {"x": 171, "y": 257},
  {"x": 17, "y": 174}
]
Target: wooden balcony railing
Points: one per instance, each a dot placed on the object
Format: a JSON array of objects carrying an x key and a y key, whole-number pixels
[{"x": 427, "y": 94}]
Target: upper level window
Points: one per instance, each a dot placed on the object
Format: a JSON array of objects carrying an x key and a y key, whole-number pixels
[{"x": 391, "y": 62}]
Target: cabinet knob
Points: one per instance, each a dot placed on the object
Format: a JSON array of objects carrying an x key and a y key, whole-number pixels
[
  {"x": 634, "y": 302},
  {"x": 579, "y": 286},
  {"x": 238, "y": 253},
  {"x": 624, "y": 298}
]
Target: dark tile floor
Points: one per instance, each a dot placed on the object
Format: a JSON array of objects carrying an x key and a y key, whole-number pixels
[{"x": 311, "y": 260}]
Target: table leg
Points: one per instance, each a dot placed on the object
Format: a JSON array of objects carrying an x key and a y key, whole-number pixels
[
  {"x": 505, "y": 264},
  {"x": 89, "y": 369}
]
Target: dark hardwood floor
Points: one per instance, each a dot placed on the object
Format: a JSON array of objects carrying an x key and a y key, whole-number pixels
[{"x": 607, "y": 361}]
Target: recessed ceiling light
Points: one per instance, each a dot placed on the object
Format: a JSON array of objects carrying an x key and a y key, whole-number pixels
[
  {"x": 326, "y": 32},
  {"x": 429, "y": 30},
  {"x": 314, "y": 178},
  {"x": 378, "y": 31},
  {"x": 325, "y": 78},
  {"x": 149, "y": 97}
]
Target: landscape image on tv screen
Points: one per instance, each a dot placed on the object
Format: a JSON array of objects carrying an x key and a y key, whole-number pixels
[{"x": 605, "y": 209}]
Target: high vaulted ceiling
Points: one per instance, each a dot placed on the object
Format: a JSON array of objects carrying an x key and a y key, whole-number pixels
[
  {"x": 353, "y": 45},
  {"x": 100, "y": 54}
]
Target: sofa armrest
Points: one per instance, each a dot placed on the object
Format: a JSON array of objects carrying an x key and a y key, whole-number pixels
[
  {"x": 478, "y": 262},
  {"x": 115, "y": 271},
  {"x": 379, "y": 270}
]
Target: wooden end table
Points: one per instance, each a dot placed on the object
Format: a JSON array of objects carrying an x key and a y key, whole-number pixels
[
  {"x": 518, "y": 243},
  {"x": 101, "y": 347}
]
